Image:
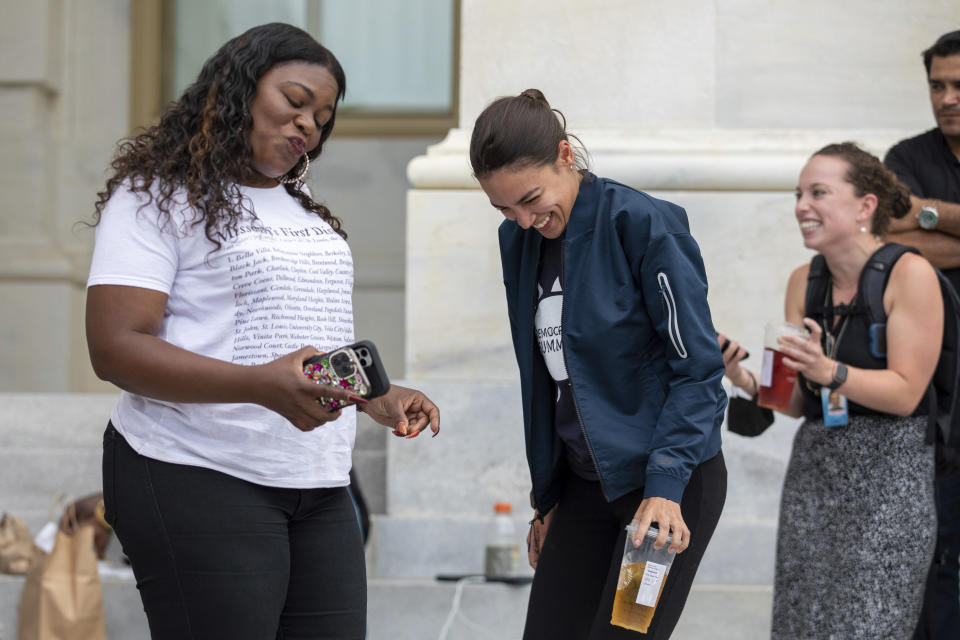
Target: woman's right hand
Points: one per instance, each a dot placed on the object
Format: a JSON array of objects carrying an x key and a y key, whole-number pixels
[
  {"x": 122, "y": 327},
  {"x": 732, "y": 356},
  {"x": 284, "y": 388},
  {"x": 536, "y": 536}
]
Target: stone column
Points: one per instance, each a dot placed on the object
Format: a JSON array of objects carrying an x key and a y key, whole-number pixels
[{"x": 64, "y": 90}]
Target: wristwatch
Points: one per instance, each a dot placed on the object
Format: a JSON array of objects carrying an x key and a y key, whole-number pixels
[
  {"x": 839, "y": 377},
  {"x": 928, "y": 217}
]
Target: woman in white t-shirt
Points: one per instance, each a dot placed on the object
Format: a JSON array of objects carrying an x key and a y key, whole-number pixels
[{"x": 215, "y": 275}]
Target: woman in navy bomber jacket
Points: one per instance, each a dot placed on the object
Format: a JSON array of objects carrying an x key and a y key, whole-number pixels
[{"x": 620, "y": 370}]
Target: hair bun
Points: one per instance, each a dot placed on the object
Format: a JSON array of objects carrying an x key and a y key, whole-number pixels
[
  {"x": 900, "y": 200},
  {"x": 536, "y": 95}
]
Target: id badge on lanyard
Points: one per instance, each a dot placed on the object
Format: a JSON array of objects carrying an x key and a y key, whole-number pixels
[
  {"x": 834, "y": 408},
  {"x": 834, "y": 403}
]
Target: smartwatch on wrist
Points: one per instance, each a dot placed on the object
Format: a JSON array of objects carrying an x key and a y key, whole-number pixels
[
  {"x": 928, "y": 217},
  {"x": 839, "y": 377}
]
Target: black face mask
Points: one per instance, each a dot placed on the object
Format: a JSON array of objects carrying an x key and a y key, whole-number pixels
[{"x": 747, "y": 418}]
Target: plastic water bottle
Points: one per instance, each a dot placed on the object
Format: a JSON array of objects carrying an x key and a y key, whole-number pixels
[{"x": 502, "y": 551}]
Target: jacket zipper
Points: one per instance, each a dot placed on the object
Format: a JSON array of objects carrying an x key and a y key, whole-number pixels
[
  {"x": 573, "y": 394},
  {"x": 673, "y": 328}
]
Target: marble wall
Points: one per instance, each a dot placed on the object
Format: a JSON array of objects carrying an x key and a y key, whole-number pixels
[
  {"x": 706, "y": 63},
  {"x": 714, "y": 105}
]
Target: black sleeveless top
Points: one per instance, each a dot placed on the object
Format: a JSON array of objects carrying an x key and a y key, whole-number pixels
[{"x": 853, "y": 349}]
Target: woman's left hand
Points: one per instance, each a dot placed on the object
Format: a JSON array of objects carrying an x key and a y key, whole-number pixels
[
  {"x": 406, "y": 411},
  {"x": 806, "y": 355},
  {"x": 666, "y": 513}
]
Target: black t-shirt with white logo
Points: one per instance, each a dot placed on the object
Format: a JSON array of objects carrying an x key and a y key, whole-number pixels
[{"x": 550, "y": 339}]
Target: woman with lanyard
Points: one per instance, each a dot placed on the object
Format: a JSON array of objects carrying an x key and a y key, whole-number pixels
[
  {"x": 619, "y": 366},
  {"x": 857, "y": 518}
]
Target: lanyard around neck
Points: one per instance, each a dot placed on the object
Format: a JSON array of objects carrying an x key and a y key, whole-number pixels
[{"x": 832, "y": 343}]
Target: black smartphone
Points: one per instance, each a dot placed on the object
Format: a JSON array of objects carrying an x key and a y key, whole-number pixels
[
  {"x": 726, "y": 343},
  {"x": 356, "y": 368}
]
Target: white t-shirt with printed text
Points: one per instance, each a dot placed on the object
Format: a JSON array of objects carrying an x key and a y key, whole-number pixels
[{"x": 277, "y": 284}]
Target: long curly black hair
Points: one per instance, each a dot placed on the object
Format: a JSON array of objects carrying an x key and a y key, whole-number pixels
[{"x": 201, "y": 143}]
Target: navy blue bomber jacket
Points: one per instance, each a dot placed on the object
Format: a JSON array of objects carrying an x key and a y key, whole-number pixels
[{"x": 638, "y": 342}]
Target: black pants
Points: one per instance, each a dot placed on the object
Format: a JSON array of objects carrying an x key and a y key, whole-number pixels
[
  {"x": 940, "y": 618},
  {"x": 576, "y": 577},
  {"x": 218, "y": 557}
]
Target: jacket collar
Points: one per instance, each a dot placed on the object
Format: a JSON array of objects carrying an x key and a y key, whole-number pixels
[{"x": 585, "y": 206}]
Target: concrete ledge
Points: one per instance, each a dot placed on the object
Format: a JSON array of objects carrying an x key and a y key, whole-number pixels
[
  {"x": 52, "y": 442},
  {"x": 417, "y": 610},
  {"x": 440, "y": 495},
  {"x": 740, "y": 552},
  {"x": 49, "y": 442},
  {"x": 121, "y": 607},
  {"x": 688, "y": 159},
  {"x": 423, "y": 547}
]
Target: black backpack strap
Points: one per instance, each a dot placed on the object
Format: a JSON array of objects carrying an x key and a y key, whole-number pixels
[
  {"x": 941, "y": 394},
  {"x": 874, "y": 278},
  {"x": 933, "y": 407},
  {"x": 817, "y": 280},
  {"x": 873, "y": 282},
  {"x": 945, "y": 388}
]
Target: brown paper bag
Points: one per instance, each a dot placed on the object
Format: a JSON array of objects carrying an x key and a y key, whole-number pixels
[
  {"x": 62, "y": 597},
  {"x": 16, "y": 545}
]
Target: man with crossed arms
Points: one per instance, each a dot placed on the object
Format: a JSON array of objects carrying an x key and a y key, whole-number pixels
[{"x": 930, "y": 165}]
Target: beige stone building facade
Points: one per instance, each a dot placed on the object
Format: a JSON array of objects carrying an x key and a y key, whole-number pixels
[
  {"x": 713, "y": 104},
  {"x": 78, "y": 75}
]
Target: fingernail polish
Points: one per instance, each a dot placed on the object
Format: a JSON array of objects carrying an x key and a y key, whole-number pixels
[{"x": 358, "y": 399}]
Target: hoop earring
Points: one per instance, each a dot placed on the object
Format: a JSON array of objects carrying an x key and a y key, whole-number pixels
[{"x": 300, "y": 174}]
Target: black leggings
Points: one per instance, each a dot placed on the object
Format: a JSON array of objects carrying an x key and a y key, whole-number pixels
[
  {"x": 576, "y": 576},
  {"x": 219, "y": 557}
]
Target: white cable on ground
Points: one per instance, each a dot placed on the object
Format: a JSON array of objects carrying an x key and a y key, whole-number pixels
[{"x": 455, "y": 610}]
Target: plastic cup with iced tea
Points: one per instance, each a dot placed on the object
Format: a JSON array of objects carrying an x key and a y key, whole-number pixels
[
  {"x": 643, "y": 572},
  {"x": 776, "y": 378}
]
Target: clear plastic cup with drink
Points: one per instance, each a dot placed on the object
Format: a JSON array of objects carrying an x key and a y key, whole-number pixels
[
  {"x": 643, "y": 572},
  {"x": 777, "y": 379}
]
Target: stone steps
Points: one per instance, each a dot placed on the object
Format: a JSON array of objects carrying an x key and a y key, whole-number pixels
[{"x": 431, "y": 499}]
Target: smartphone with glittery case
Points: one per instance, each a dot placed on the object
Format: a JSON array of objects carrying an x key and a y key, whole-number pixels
[{"x": 356, "y": 368}]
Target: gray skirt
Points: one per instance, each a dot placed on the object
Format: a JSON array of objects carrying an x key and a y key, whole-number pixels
[{"x": 857, "y": 530}]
